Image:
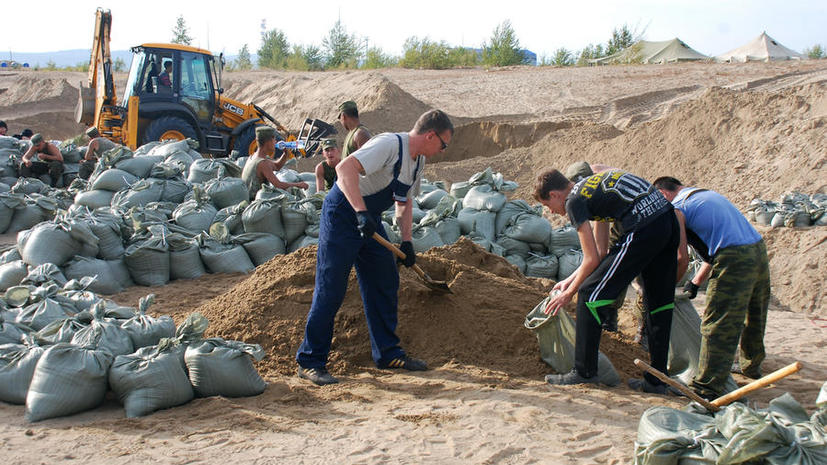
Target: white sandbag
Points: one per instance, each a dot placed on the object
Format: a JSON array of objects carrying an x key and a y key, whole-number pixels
[
  {"x": 263, "y": 216},
  {"x": 568, "y": 263},
  {"x": 424, "y": 239},
  {"x": 261, "y": 247},
  {"x": 484, "y": 198},
  {"x": 169, "y": 147},
  {"x": 145, "y": 330},
  {"x": 151, "y": 379},
  {"x": 148, "y": 260},
  {"x": 113, "y": 180},
  {"x": 17, "y": 365},
  {"x": 10, "y": 255},
  {"x": 94, "y": 199},
  {"x": 482, "y": 222},
  {"x": 224, "y": 368},
  {"x": 288, "y": 175},
  {"x": 561, "y": 240},
  {"x": 541, "y": 266},
  {"x": 67, "y": 379},
  {"x": 12, "y": 273},
  {"x": 139, "y": 166},
  {"x": 226, "y": 192},
  {"x": 202, "y": 170},
  {"x": 184, "y": 258},
  {"x": 528, "y": 227}
]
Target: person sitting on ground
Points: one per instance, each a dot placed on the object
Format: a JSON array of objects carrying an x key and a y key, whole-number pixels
[
  {"x": 42, "y": 158},
  {"x": 4, "y": 128},
  {"x": 357, "y": 134},
  {"x": 326, "y": 170},
  {"x": 97, "y": 146},
  {"x": 647, "y": 247},
  {"x": 261, "y": 168},
  {"x": 738, "y": 293},
  {"x": 165, "y": 78}
]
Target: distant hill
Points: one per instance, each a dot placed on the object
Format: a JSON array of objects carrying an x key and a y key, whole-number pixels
[{"x": 64, "y": 58}]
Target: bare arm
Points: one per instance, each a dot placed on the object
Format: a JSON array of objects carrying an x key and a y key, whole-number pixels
[
  {"x": 683, "y": 251},
  {"x": 702, "y": 273},
  {"x": 266, "y": 170},
  {"x": 404, "y": 219},
  {"x": 320, "y": 178},
  {"x": 601, "y": 237},
  {"x": 347, "y": 172},
  {"x": 361, "y": 136},
  {"x": 27, "y": 157},
  {"x": 590, "y": 261},
  {"x": 90, "y": 151}
]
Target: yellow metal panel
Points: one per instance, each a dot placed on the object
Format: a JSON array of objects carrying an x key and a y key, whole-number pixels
[
  {"x": 183, "y": 48},
  {"x": 131, "y": 135}
]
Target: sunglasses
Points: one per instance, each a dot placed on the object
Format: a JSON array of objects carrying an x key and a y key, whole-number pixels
[{"x": 444, "y": 145}]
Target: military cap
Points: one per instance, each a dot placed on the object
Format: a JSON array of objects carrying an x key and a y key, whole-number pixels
[
  {"x": 329, "y": 143},
  {"x": 37, "y": 138},
  {"x": 577, "y": 171},
  {"x": 347, "y": 106},
  {"x": 265, "y": 132}
]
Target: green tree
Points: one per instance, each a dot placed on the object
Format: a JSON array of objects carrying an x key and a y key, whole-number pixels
[
  {"x": 305, "y": 58},
  {"x": 425, "y": 54},
  {"x": 341, "y": 48},
  {"x": 621, "y": 38},
  {"x": 562, "y": 57},
  {"x": 462, "y": 56},
  {"x": 181, "y": 33},
  {"x": 51, "y": 65},
  {"x": 274, "y": 50},
  {"x": 503, "y": 48},
  {"x": 815, "y": 52},
  {"x": 243, "y": 61},
  {"x": 119, "y": 65},
  {"x": 590, "y": 52},
  {"x": 375, "y": 58}
]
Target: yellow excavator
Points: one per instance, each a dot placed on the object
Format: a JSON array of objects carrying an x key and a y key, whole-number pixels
[{"x": 174, "y": 92}]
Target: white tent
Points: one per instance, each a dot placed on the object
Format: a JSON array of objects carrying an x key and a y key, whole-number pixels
[
  {"x": 648, "y": 52},
  {"x": 763, "y": 48}
]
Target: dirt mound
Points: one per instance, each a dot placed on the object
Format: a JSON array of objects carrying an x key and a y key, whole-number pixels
[
  {"x": 488, "y": 138},
  {"x": 480, "y": 325},
  {"x": 44, "y": 104},
  {"x": 798, "y": 258}
]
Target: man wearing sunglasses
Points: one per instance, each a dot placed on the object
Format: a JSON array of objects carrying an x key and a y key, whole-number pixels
[{"x": 386, "y": 171}]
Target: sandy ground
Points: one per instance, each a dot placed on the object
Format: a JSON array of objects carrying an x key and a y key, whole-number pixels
[{"x": 749, "y": 130}]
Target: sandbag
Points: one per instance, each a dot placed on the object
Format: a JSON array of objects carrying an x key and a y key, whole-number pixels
[
  {"x": 537, "y": 266},
  {"x": 11, "y": 332},
  {"x": 484, "y": 197},
  {"x": 139, "y": 194},
  {"x": 482, "y": 222},
  {"x": 561, "y": 240},
  {"x": 196, "y": 214},
  {"x": 224, "y": 368},
  {"x": 517, "y": 261},
  {"x": 204, "y": 169},
  {"x": 294, "y": 221},
  {"x": 184, "y": 258},
  {"x": 224, "y": 258},
  {"x": 113, "y": 180},
  {"x": 139, "y": 166},
  {"x": 94, "y": 199},
  {"x": 511, "y": 209},
  {"x": 63, "y": 330},
  {"x": 43, "y": 274},
  {"x": 226, "y": 192},
  {"x": 8, "y": 204},
  {"x": 568, "y": 263},
  {"x": 36, "y": 210},
  {"x": 107, "y": 228},
  {"x": 148, "y": 260},
  {"x": 231, "y": 217},
  {"x": 175, "y": 190},
  {"x": 17, "y": 365},
  {"x": 10, "y": 255},
  {"x": 302, "y": 242},
  {"x": 449, "y": 230},
  {"x": 170, "y": 147},
  {"x": 67, "y": 379},
  {"x": 145, "y": 330},
  {"x": 425, "y": 238},
  {"x": 39, "y": 314},
  {"x": 260, "y": 247},
  {"x": 528, "y": 227},
  {"x": 263, "y": 216},
  {"x": 104, "y": 334},
  {"x": 111, "y": 276},
  {"x": 151, "y": 379},
  {"x": 12, "y": 273},
  {"x": 555, "y": 335},
  {"x": 513, "y": 246},
  {"x": 29, "y": 186},
  {"x": 431, "y": 199},
  {"x": 460, "y": 189}
]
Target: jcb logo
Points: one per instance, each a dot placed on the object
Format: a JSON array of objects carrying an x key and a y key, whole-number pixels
[{"x": 234, "y": 109}]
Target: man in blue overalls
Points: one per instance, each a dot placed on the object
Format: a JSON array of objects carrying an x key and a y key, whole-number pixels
[{"x": 386, "y": 170}]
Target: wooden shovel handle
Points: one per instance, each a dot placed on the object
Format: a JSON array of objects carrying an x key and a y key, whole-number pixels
[
  {"x": 388, "y": 245},
  {"x": 680, "y": 387},
  {"x": 757, "y": 384}
]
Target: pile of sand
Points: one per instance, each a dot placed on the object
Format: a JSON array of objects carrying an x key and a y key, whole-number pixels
[
  {"x": 43, "y": 105},
  {"x": 480, "y": 325}
]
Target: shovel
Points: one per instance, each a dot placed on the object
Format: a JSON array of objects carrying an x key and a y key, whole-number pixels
[{"x": 441, "y": 286}]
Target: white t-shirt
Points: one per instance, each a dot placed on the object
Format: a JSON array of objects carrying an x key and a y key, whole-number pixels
[{"x": 379, "y": 155}]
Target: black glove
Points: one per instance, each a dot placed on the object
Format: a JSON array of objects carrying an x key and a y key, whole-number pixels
[
  {"x": 691, "y": 289},
  {"x": 410, "y": 256},
  {"x": 366, "y": 224}
]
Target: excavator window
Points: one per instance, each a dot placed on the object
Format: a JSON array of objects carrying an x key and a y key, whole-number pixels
[{"x": 196, "y": 84}]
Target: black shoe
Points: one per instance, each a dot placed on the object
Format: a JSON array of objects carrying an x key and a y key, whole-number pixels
[
  {"x": 736, "y": 368},
  {"x": 572, "y": 377},
  {"x": 407, "y": 363},
  {"x": 319, "y": 376},
  {"x": 643, "y": 385}
]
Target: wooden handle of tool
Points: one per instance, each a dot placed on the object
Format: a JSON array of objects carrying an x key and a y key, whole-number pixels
[
  {"x": 757, "y": 384},
  {"x": 388, "y": 245},
  {"x": 680, "y": 387}
]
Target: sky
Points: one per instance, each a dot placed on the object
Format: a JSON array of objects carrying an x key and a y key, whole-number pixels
[{"x": 711, "y": 27}]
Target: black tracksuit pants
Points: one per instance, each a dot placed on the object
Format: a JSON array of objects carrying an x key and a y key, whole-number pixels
[{"x": 651, "y": 252}]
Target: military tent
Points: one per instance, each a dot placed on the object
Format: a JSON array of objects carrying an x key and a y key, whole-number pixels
[
  {"x": 648, "y": 52},
  {"x": 762, "y": 48}
]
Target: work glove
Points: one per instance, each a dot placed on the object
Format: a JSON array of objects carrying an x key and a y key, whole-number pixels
[
  {"x": 410, "y": 256},
  {"x": 691, "y": 289},
  {"x": 366, "y": 224}
]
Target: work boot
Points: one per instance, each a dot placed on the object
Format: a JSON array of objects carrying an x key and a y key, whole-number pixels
[
  {"x": 572, "y": 377},
  {"x": 643, "y": 385},
  {"x": 319, "y": 376},
  {"x": 736, "y": 368},
  {"x": 407, "y": 363},
  {"x": 610, "y": 323}
]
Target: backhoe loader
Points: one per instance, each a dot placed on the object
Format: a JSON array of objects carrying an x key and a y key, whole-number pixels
[{"x": 174, "y": 92}]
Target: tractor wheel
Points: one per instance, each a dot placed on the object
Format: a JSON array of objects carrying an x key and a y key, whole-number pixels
[
  {"x": 246, "y": 143},
  {"x": 169, "y": 127}
]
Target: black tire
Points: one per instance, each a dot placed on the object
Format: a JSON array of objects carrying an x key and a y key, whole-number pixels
[
  {"x": 157, "y": 128},
  {"x": 246, "y": 142}
]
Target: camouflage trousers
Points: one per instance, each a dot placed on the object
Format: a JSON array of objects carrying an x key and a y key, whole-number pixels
[{"x": 738, "y": 296}]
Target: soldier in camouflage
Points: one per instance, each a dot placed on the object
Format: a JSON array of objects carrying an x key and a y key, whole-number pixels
[{"x": 738, "y": 292}]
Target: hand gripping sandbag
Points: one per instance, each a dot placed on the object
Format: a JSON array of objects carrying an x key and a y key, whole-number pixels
[
  {"x": 151, "y": 379},
  {"x": 68, "y": 379},
  {"x": 17, "y": 365},
  {"x": 556, "y": 337},
  {"x": 224, "y": 368},
  {"x": 104, "y": 334},
  {"x": 145, "y": 330}
]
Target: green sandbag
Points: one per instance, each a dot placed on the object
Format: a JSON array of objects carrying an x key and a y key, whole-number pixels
[
  {"x": 104, "y": 334},
  {"x": 224, "y": 368},
  {"x": 17, "y": 365},
  {"x": 145, "y": 330}
]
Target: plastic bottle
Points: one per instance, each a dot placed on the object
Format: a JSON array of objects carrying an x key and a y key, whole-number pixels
[{"x": 292, "y": 145}]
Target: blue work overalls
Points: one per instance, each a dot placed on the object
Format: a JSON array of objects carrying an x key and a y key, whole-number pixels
[{"x": 340, "y": 248}]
